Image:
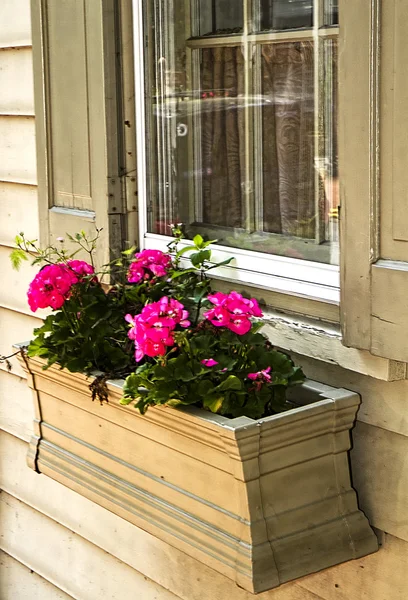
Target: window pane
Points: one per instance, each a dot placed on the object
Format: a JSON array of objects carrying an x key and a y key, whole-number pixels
[
  {"x": 288, "y": 139},
  {"x": 241, "y": 138},
  {"x": 286, "y": 14},
  {"x": 331, "y": 12},
  {"x": 220, "y": 16}
]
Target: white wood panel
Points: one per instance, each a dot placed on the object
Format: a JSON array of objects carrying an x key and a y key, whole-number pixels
[
  {"x": 67, "y": 560},
  {"x": 19, "y": 211},
  {"x": 379, "y": 463},
  {"x": 184, "y": 576},
  {"x": 16, "y": 82},
  {"x": 19, "y": 582},
  {"x": 384, "y": 404},
  {"x": 380, "y": 576},
  {"x": 17, "y": 150},
  {"x": 324, "y": 342},
  {"x": 15, "y": 29},
  {"x": 15, "y": 327},
  {"x": 14, "y": 294},
  {"x": 16, "y": 406}
]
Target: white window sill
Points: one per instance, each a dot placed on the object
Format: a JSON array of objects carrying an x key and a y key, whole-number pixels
[{"x": 322, "y": 342}]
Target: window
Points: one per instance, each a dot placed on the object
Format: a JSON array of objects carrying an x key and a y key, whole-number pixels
[{"x": 241, "y": 130}]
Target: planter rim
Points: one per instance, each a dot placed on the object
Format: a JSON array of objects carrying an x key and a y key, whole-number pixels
[{"x": 329, "y": 396}]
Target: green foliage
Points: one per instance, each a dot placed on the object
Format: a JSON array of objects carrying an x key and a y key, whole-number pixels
[{"x": 224, "y": 388}]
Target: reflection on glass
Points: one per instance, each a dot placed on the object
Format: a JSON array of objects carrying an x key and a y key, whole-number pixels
[
  {"x": 286, "y": 14},
  {"x": 220, "y": 16},
  {"x": 329, "y": 172},
  {"x": 288, "y": 141},
  {"x": 331, "y": 12}
]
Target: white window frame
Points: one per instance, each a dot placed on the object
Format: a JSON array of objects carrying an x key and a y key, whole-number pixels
[{"x": 311, "y": 280}]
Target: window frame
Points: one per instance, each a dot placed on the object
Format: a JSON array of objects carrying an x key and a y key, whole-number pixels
[{"x": 306, "y": 279}]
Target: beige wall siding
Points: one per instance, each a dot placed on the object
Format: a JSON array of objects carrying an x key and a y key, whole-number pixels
[
  {"x": 19, "y": 211},
  {"x": 16, "y": 82},
  {"x": 20, "y": 583},
  {"x": 17, "y": 150},
  {"x": 15, "y": 26}
]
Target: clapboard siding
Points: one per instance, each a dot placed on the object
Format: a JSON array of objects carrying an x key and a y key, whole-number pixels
[
  {"x": 17, "y": 582},
  {"x": 16, "y": 406},
  {"x": 379, "y": 461},
  {"x": 14, "y": 294},
  {"x": 17, "y": 150},
  {"x": 15, "y": 327},
  {"x": 19, "y": 212},
  {"x": 15, "y": 25},
  {"x": 384, "y": 404},
  {"x": 16, "y": 81},
  {"x": 67, "y": 560}
]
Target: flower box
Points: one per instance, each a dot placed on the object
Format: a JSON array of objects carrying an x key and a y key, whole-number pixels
[{"x": 263, "y": 502}]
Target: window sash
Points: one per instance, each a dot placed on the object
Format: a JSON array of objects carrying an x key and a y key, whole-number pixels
[{"x": 304, "y": 278}]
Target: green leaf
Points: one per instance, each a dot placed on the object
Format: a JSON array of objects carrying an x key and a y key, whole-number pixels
[
  {"x": 16, "y": 257},
  {"x": 184, "y": 250},
  {"x": 198, "y": 241},
  {"x": 231, "y": 383},
  {"x": 213, "y": 404},
  {"x": 221, "y": 264}
]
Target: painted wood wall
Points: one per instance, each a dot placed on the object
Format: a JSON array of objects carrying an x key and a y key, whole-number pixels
[{"x": 54, "y": 544}]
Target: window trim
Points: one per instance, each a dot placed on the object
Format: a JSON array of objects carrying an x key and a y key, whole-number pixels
[{"x": 307, "y": 279}]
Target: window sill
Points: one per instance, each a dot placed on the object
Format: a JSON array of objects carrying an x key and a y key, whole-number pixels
[{"x": 323, "y": 342}]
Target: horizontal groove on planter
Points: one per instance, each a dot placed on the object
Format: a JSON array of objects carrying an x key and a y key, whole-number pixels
[
  {"x": 262, "y": 502},
  {"x": 54, "y": 449}
]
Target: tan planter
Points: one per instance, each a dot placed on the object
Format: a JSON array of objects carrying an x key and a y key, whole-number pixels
[{"x": 262, "y": 502}]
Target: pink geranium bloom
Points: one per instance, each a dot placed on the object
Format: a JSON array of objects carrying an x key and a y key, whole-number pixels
[
  {"x": 232, "y": 311},
  {"x": 260, "y": 377},
  {"x": 240, "y": 325},
  {"x": 209, "y": 362},
  {"x": 51, "y": 287},
  {"x": 152, "y": 330},
  {"x": 148, "y": 263},
  {"x": 80, "y": 267}
]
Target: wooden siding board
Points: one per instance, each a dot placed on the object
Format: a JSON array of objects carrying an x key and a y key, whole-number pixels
[
  {"x": 19, "y": 212},
  {"x": 14, "y": 294},
  {"x": 380, "y": 576},
  {"x": 15, "y": 327},
  {"x": 19, "y": 582},
  {"x": 384, "y": 404},
  {"x": 67, "y": 560},
  {"x": 16, "y": 406},
  {"x": 15, "y": 26},
  {"x": 17, "y": 150},
  {"x": 379, "y": 462},
  {"x": 16, "y": 82}
]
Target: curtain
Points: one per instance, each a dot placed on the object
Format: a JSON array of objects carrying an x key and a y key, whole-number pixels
[{"x": 287, "y": 106}]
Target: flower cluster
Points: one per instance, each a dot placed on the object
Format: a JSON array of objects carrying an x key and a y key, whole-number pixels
[
  {"x": 52, "y": 285},
  {"x": 147, "y": 264},
  {"x": 232, "y": 311},
  {"x": 152, "y": 330}
]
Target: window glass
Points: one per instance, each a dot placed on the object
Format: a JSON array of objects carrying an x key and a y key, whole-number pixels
[
  {"x": 286, "y": 14},
  {"x": 331, "y": 12},
  {"x": 219, "y": 16},
  {"x": 241, "y": 130}
]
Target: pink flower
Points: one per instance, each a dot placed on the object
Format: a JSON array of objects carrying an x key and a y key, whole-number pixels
[
  {"x": 152, "y": 330},
  {"x": 53, "y": 284},
  {"x": 148, "y": 263},
  {"x": 209, "y": 362},
  {"x": 260, "y": 377},
  {"x": 51, "y": 287},
  {"x": 232, "y": 311},
  {"x": 80, "y": 267}
]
